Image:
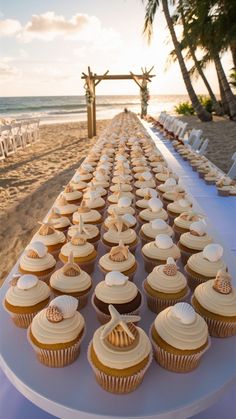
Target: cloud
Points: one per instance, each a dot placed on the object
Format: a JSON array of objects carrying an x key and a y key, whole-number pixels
[
  {"x": 9, "y": 27},
  {"x": 7, "y": 70}
]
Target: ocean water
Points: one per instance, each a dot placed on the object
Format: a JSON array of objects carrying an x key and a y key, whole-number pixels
[{"x": 73, "y": 108}]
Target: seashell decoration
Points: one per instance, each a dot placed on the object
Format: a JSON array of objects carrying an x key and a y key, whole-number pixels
[
  {"x": 170, "y": 268},
  {"x": 190, "y": 216},
  {"x": 213, "y": 252},
  {"x": 71, "y": 268},
  {"x": 124, "y": 202},
  {"x": 115, "y": 278},
  {"x": 46, "y": 229},
  {"x": 163, "y": 241},
  {"x": 66, "y": 304},
  {"x": 53, "y": 314},
  {"x": 36, "y": 250},
  {"x": 170, "y": 182},
  {"x": 120, "y": 339},
  {"x": 118, "y": 223},
  {"x": 129, "y": 219},
  {"x": 158, "y": 224},
  {"x": 145, "y": 176},
  {"x": 119, "y": 253},
  {"x": 61, "y": 201},
  {"x": 222, "y": 282},
  {"x": 78, "y": 239},
  {"x": 149, "y": 193},
  {"x": 83, "y": 207},
  {"x": 198, "y": 228},
  {"x": 155, "y": 204},
  {"x": 184, "y": 203},
  {"x": 69, "y": 188},
  {"x": 87, "y": 167},
  {"x": 77, "y": 178},
  {"x": 14, "y": 280},
  {"x": 183, "y": 312},
  {"x": 123, "y": 322},
  {"x": 55, "y": 214},
  {"x": 26, "y": 282}
]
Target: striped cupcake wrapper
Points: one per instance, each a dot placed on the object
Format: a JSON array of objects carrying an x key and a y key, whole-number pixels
[{"x": 118, "y": 385}]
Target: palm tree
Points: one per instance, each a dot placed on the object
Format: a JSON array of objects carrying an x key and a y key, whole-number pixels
[{"x": 151, "y": 8}]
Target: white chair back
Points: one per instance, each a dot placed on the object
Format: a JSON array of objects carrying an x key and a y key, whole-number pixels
[
  {"x": 203, "y": 147},
  {"x": 232, "y": 171}
]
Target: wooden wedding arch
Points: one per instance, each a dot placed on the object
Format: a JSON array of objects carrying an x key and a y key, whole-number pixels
[{"x": 92, "y": 80}]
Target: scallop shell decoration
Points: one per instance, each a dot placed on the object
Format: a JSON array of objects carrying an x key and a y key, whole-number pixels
[
  {"x": 155, "y": 204},
  {"x": 25, "y": 282},
  {"x": 124, "y": 202},
  {"x": 183, "y": 312},
  {"x": 184, "y": 203},
  {"x": 115, "y": 278},
  {"x": 198, "y": 227},
  {"x": 99, "y": 177},
  {"x": 76, "y": 178},
  {"x": 158, "y": 224},
  {"x": 129, "y": 218},
  {"x": 170, "y": 182},
  {"x": 146, "y": 175},
  {"x": 38, "y": 247},
  {"x": 87, "y": 167},
  {"x": 163, "y": 241},
  {"x": 213, "y": 252},
  {"x": 66, "y": 304}
]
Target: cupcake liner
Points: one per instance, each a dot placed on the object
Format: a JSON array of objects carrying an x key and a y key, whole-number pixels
[
  {"x": 88, "y": 266},
  {"x": 186, "y": 255},
  {"x": 118, "y": 385},
  {"x": 194, "y": 281},
  {"x": 222, "y": 192},
  {"x": 57, "y": 358},
  {"x": 171, "y": 218},
  {"x": 22, "y": 320},
  {"x": 149, "y": 265},
  {"x": 177, "y": 362},
  {"x": 178, "y": 233},
  {"x": 105, "y": 318},
  {"x": 156, "y": 305},
  {"x": 210, "y": 182},
  {"x": 217, "y": 328}
]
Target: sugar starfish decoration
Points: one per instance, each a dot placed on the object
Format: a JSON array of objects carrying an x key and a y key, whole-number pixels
[
  {"x": 82, "y": 227},
  {"x": 71, "y": 268},
  {"x": 118, "y": 223},
  {"x": 46, "y": 228},
  {"x": 120, "y": 252},
  {"x": 54, "y": 214},
  {"x": 61, "y": 200},
  {"x": 83, "y": 207},
  {"x": 118, "y": 319}
]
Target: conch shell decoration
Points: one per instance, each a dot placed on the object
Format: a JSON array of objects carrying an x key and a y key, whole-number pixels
[
  {"x": 119, "y": 253},
  {"x": 71, "y": 268},
  {"x": 120, "y": 330},
  {"x": 78, "y": 239},
  {"x": 170, "y": 268},
  {"x": 222, "y": 282}
]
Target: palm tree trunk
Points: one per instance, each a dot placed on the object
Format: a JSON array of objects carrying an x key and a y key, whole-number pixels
[
  {"x": 218, "y": 109},
  {"x": 223, "y": 97},
  {"x": 230, "y": 98},
  {"x": 199, "y": 109},
  {"x": 233, "y": 52}
]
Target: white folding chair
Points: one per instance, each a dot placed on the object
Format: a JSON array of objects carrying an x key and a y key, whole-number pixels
[
  {"x": 2, "y": 151},
  {"x": 8, "y": 140},
  {"x": 17, "y": 137},
  {"x": 232, "y": 171},
  {"x": 26, "y": 134},
  {"x": 196, "y": 144},
  {"x": 203, "y": 147}
]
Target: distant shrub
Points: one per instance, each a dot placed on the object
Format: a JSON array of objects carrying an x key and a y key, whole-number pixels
[
  {"x": 206, "y": 103},
  {"x": 184, "y": 108}
]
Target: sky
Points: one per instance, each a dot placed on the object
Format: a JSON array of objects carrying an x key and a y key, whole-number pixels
[{"x": 46, "y": 45}]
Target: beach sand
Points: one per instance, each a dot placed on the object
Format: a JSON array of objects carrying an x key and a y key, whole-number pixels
[
  {"x": 30, "y": 181},
  {"x": 222, "y": 139}
]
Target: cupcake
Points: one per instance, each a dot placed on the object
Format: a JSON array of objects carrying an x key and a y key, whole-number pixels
[
  {"x": 71, "y": 280},
  {"x": 223, "y": 185},
  {"x": 117, "y": 290},
  {"x": 183, "y": 222},
  {"x": 120, "y": 353},
  {"x": 158, "y": 251},
  {"x": 145, "y": 180},
  {"x": 90, "y": 231},
  {"x": 72, "y": 195},
  {"x": 212, "y": 176},
  {"x": 114, "y": 198},
  {"x": 130, "y": 220},
  {"x": 204, "y": 265},
  {"x": 194, "y": 241},
  {"x": 165, "y": 286},
  {"x": 179, "y": 337},
  {"x": 99, "y": 190},
  {"x": 168, "y": 185},
  {"x": 174, "y": 209},
  {"x": 119, "y": 259},
  {"x": 142, "y": 192},
  {"x": 101, "y": 179},
  {"x": 84, "y": 252},
  {"x": 118, "y": 229},
  {"x": 122, "y": 207},
  {"x": 215, "y": 301},
  {"x": 149, "y": 231},
  {"x": 37, "y": 261},
  {"x": 164, "y": 175},
  {"x": 123, "y": 187},
  {"x": 64, "y": 207},
  {"x": 143, "y": 203},
  {"x": 155, "y": 210},
  {"x": 26, "y": 296},
  {"x": 57, "y": 331},
  {"x": 59, "y": 222},
  {"x": 95, "y": 201},
  {"x": 77, "y": 182},
  {"x": 89, "y": 216},
  {"x": 51, "y": 237}
]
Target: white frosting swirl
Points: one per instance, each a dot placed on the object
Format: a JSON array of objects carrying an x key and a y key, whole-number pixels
[
  {"x": 70, "y": 284},
  {"x": 161, "y": 282},
  {"x": 116, "y": 294},
  {"x": 28, "y": 297},
  {"x": 109, "y": 265},
  {"x": 215, "y": 302}
]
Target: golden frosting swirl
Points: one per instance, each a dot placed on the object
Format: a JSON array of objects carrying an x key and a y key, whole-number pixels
[
  {"x": 161, "y": 282},
  {"x": 179, "y": 335},
  {"x": 197, "y": 263},
  {"x": 115, "y": 358},
  {"x": 215, "y": 302},
  {"x": 30, "y": 297},
  {"x": 195, "y": 242},
  {"x": 64, "y": 331}
]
